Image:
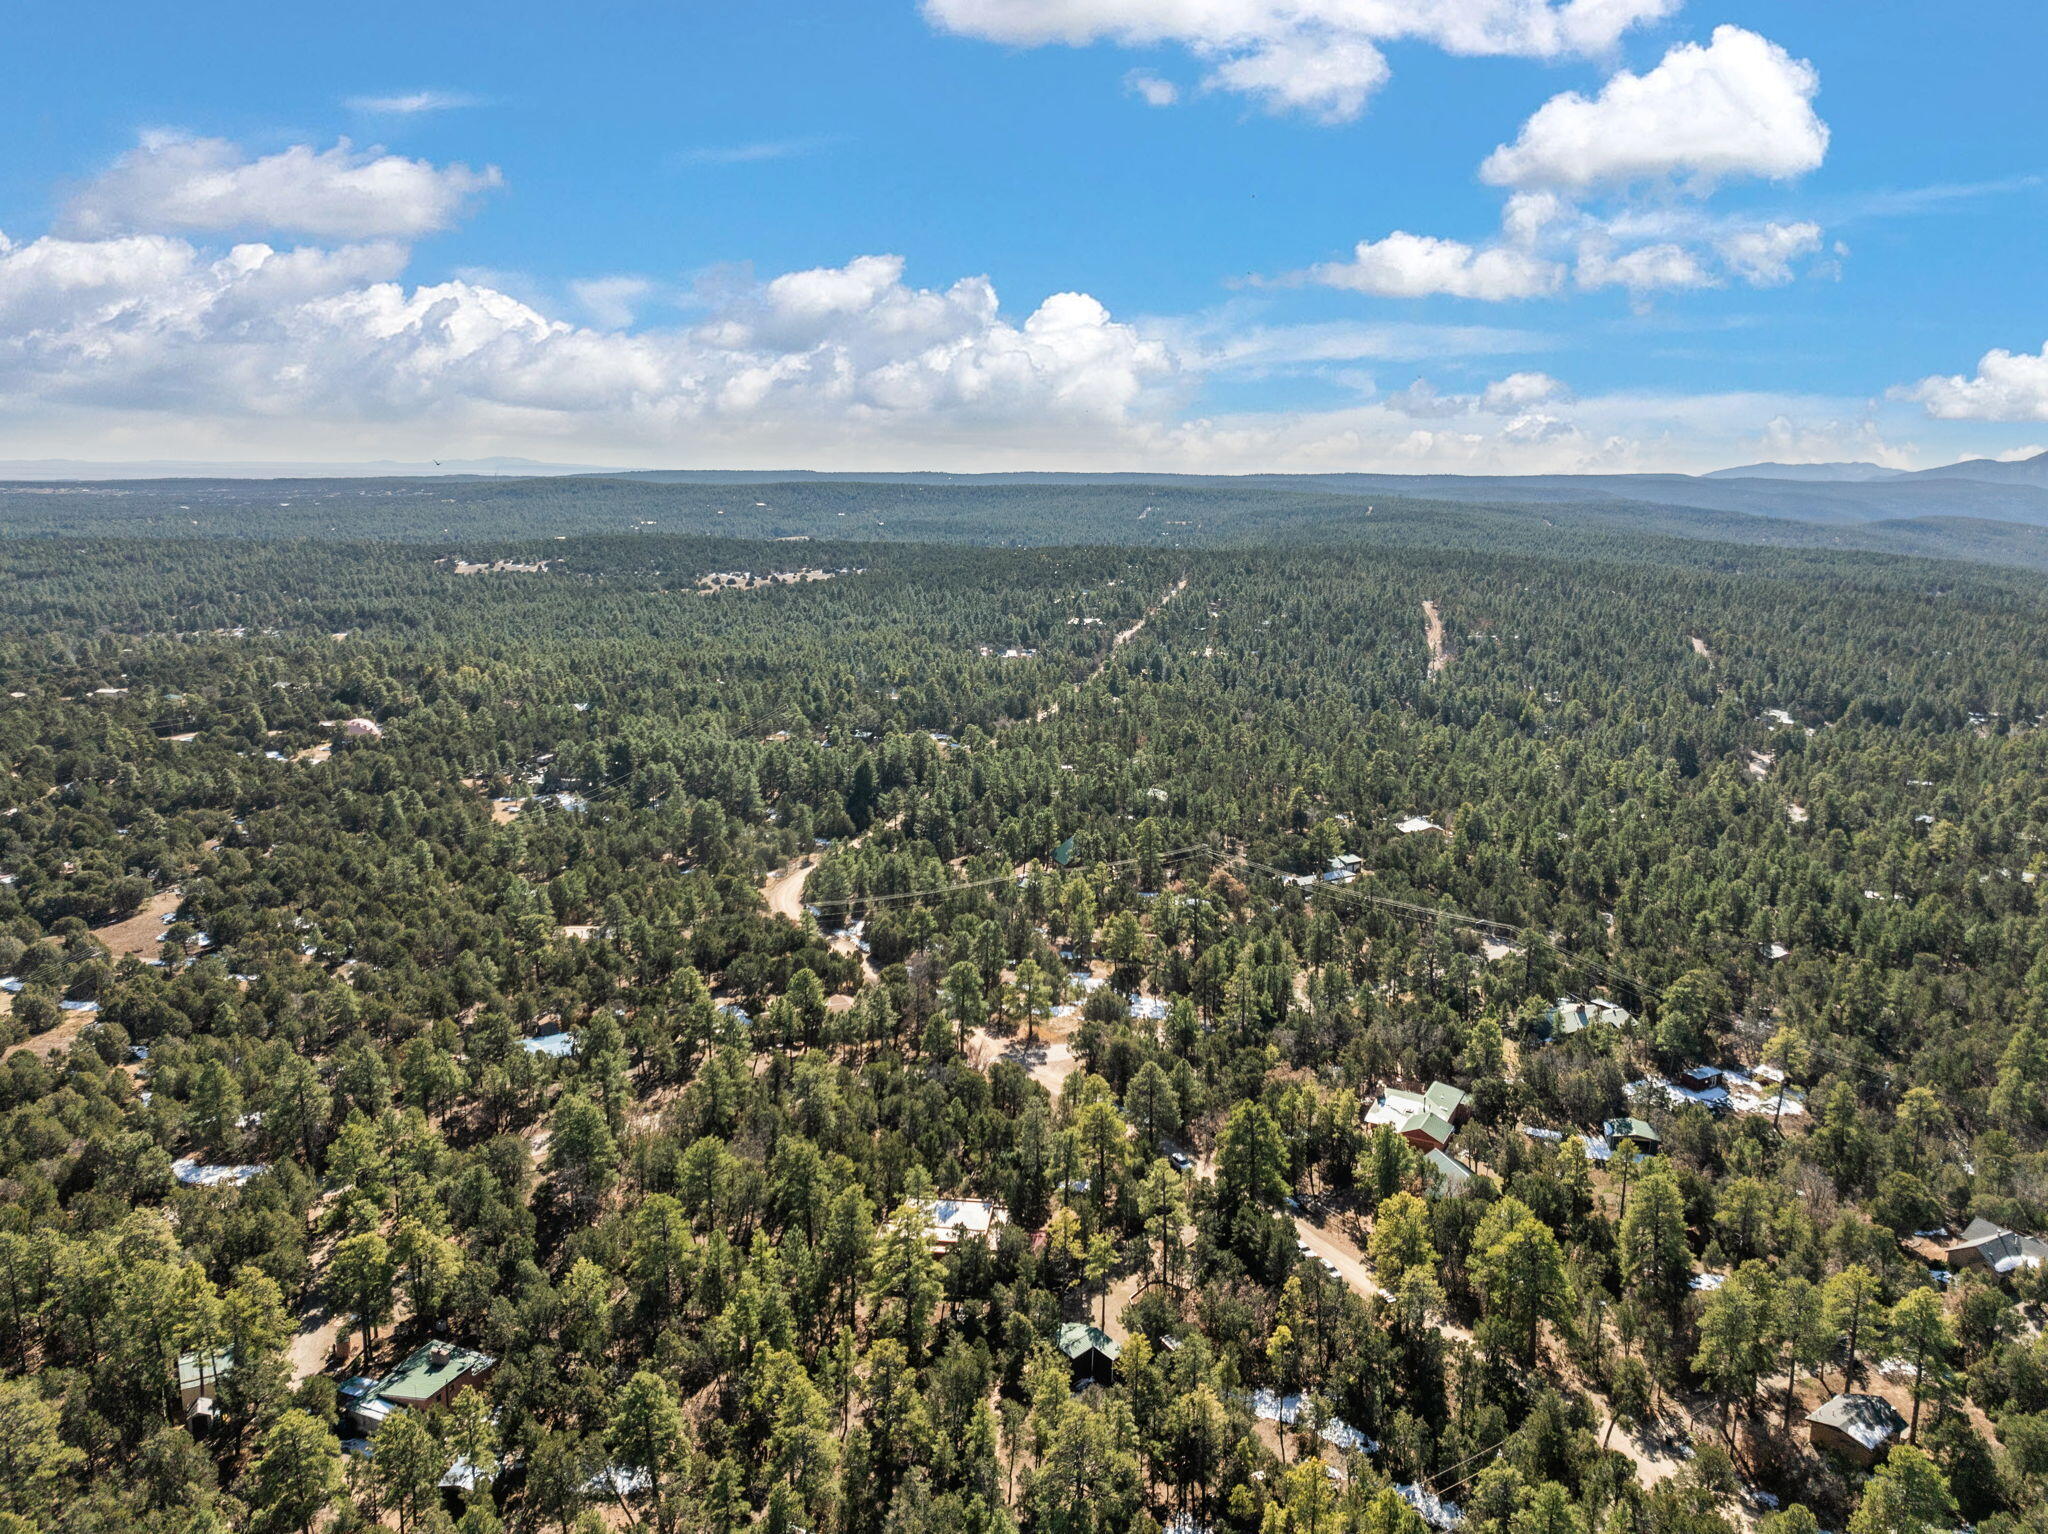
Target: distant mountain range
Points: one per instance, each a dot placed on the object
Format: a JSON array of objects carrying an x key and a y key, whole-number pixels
[
  {"x": 1841, "y": 473},
  {"x": 1934, "y": 516},
  {"x": 1989, "y": 471},
  {"x": 180, "y": 468}
]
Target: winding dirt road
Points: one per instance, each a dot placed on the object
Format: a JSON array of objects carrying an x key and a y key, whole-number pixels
[{"x": 783, "y": 890}]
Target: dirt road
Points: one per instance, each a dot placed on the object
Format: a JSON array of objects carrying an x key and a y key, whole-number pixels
[
  {"x": 783, "y": 890},
  {"x": 1433, "y": 622},
  {"x": 313, "y": 1344},
  {"x": 1123, "y": 637}
]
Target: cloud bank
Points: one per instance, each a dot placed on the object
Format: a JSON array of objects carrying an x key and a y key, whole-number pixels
[
  {"x": 118, "y": 339},
  {"x": 1320, "y": 58}
]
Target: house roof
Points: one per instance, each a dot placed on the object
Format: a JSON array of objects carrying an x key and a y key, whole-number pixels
[
  {"x": 558, "y": 1046},
  {"x": 1396, "y": 1108},
  {"x": 1631, "y": 1129},
  {"x": 1871, "y": 1420},
  {"x": 974, "y": 1216},
  {"x": 1446, "y": 1171},
  {"x": 198, "y": 1369},
  {"x": 1077, "y": 1338},
  {"x": 1568, "y": 1017},
  {"x": 429, "y": 1369},
  {"x": 2001, "y": 1249},
  {"x": 1443, "y": 1098},
  {"x": 1434, "y": 1125}
]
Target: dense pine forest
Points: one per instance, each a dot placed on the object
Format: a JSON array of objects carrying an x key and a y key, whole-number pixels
[{"x": 1290, "y": 1024}]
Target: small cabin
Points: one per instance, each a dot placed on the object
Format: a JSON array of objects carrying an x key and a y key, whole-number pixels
[
  {"x": 199, "y": 1377},
  {"x": 1860, "y": 1428},
  {"x": 1633, "y": 1134},
  {"x": 1091, "y": 1352}
]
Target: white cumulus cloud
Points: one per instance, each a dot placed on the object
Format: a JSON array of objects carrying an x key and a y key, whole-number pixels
[
  {"x": 1646, "y": 269},
  {"x": 2007, "y": 386},
  {"x": 1318, "y": 56},
  {"x": 1407, "y": 265},
  {"x": 1327, "y": 78},
  {"x": 170, "y": 183},
  {"x": 151, "y": 325},
  {"x": 1763, "y": 254},
  {"x": 1578, "y": 204},
  {"x": 1739, "y": 106}
]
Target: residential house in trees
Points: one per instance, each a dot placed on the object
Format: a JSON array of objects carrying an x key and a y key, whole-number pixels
[
  {"x": 1091, "y": 1351},
  {"x": 1860, "y": 1428}
]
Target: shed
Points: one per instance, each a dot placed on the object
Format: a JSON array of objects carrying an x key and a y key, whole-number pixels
[
  {"x": 1092, "y": 1352},
  {"x": 1860, "y": 1428}
]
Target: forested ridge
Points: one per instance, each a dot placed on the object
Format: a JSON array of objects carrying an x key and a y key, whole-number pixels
[
  {"x": 1177, "y": 512},
  {"x": 567, "y": 950}
]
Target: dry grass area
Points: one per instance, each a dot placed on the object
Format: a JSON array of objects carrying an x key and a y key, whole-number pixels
[
  {"x": 140, "y": 935},
  {"x": 1050, "y": 1061},
  {"x": 57, "y": 1041}
]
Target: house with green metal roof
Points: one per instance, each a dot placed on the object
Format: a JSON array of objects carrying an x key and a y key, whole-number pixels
[
  {"x": 431, "y": 1375},
  {"x": 1092, "y": 1352},
  {"x": 1631, "y": 1132},
  {"x": 1427, "y": 1131},
  {"x": 1446, "y": 1102},
  {"x": 1427, "y": 1119}
]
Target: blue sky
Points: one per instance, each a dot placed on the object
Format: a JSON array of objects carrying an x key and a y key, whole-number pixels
[{"x": 1229, "y": 235}]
